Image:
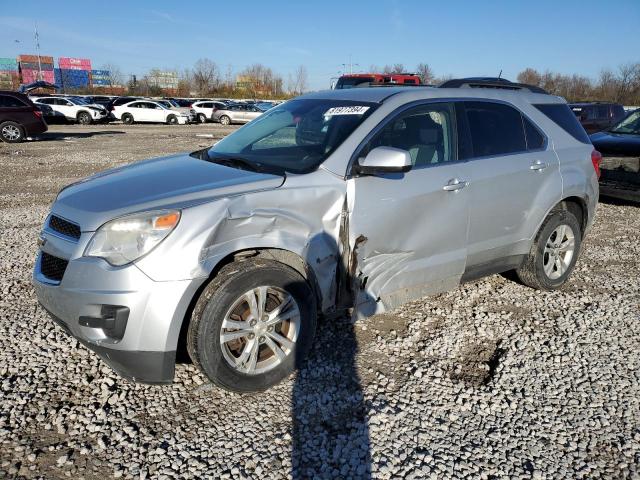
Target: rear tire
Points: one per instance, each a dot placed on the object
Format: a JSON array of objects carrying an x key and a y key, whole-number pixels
[
  {"x": 224, "y": 120},
  {"x": 172, "y": 120},
  {"x": 554, "y": 252},
  {"x": 84, "y": 118},
  {"x": 12, "y": 132},
  {"x": 202, "y": 118},
  {"x": 127, "y": 119},
  {"x": 238, "y": 351}
]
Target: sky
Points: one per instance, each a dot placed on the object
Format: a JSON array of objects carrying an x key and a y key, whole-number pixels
[{"x": 456, "y": 38}]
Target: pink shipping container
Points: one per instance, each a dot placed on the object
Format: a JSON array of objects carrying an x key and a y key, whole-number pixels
[
  {"x": 68, "y": 63},
  {"x": 29, "y": 76}
]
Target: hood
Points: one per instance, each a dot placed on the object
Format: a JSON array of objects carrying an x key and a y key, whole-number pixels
[
  {"x": 615, "y": 144},
  {"x": 177, "y": 181}
]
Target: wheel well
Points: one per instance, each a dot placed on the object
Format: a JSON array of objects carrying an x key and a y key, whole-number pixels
[
  {"x": 286, "y": 257},
  {"x": 578, "y": 207},
  {"x": 81, "y": 112}
]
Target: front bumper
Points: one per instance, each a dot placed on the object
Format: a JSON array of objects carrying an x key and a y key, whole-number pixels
[{"x": 144, "y": 351}]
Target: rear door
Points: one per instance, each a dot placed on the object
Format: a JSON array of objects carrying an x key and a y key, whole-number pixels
[
  {"x": 515, "y": 177},
  {"x": 67, "y": 108},
  {"x": 408, "y": 232}
]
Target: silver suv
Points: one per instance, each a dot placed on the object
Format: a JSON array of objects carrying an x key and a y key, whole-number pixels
[{"x": 347, "y": 200}]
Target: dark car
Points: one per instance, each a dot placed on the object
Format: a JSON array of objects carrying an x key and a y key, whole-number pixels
[
  {"x": 99, "y": 99},
  {"x": 620, "y": 166},
  {"x": 19, "y": 117},
  {"x": 598, "y": 116}
]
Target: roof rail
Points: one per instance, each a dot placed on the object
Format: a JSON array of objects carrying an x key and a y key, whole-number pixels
[{"x": 490, "y": 82}]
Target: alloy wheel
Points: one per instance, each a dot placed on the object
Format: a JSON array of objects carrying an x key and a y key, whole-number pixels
[
  {"x": 558, "y": 252},
  {"x": 260, "y": 330},
  {"x": 11, "y": 132}
]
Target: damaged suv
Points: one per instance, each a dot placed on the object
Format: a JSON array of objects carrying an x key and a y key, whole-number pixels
[{"x": 348, "y": 200}]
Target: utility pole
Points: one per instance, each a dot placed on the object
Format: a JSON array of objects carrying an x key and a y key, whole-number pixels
[
  {"x": 350, "y": 64},
  {"x": 38, "y": 51}
]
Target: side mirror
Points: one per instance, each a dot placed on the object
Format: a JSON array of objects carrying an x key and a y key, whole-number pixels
[{"x": 384, "y": 160}]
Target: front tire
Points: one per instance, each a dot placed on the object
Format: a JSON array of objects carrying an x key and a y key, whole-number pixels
[
  {"x": 554, "y": 252},
  {"x": 202, "y": 118},
  {"x": 172, "y": 120},
  {"x": 224, "y": 120},
  {"x": 252, "y": 325},
  {"x": 12, "y": 132},
  {"x": 84, "y": 118},
  {"x": 127, "y": 119}
]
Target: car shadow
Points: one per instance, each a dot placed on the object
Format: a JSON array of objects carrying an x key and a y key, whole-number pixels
[
  {"x": 58, "y": 136},
  {"x": 620, "y": 202}
]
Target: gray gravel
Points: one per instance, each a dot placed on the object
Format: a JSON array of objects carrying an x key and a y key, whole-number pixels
[{"x": 490, "y": 380}]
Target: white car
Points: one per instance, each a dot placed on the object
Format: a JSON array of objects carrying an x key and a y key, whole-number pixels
[
  {"x": 204, "y": 109},
  {"x": 149, "y": 111},
  {"x": 75, "y": 109},
  {"x": 174, "y": 106}
]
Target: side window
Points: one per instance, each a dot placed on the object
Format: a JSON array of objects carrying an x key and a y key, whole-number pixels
[
  {"x": 66, "y": 103},
  {"x": 495, "y": 128},
  {"x": 603, "y": 112},
  {"x": 426, "y": 132},
  {"x": 535, "y": 140},
  {"x": 135, "y": 105},
  {"x": 10, "y": 102},
  {"x": 561, "y": 115}
]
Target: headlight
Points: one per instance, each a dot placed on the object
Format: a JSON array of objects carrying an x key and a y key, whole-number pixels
[{"x": 126, "y": 239}]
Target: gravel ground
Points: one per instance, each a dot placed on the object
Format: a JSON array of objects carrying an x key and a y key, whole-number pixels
[{"x": 492, "y": 380}]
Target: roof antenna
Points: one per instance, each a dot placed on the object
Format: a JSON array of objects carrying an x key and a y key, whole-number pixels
[{"x": 500, "y": 74}]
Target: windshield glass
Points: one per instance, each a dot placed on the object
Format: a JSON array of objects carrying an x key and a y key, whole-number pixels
[
  {"x": 350, "y": 82},
  {"x": 631, "y": 124},
  {"x": 294, "y": 137},
  {"x": 166, "y": 103},
  {"x": 78, "y": 100}
]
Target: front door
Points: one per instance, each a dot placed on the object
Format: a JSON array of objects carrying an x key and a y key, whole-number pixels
[{"x": 408, "y": 232}]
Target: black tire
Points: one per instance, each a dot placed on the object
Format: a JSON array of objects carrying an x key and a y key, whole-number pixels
[
  {"x": 12, "y": 132},
  {"x": 127, "y": 119},
  {"x": 84, "y": 118},
  {"x": 225, "y": 120},
  {"x": 203, "y": 337},
  {"x": 532, "y": 272},
  {"x": 202, "y": 118},
  {"x": 172, "y": 120}
]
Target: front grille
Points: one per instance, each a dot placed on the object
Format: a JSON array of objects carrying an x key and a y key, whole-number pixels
[
  {"x": 52, "y": 267},
  {"x": 64, "y": 227}
]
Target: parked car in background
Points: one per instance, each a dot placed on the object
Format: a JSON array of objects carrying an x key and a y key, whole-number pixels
[
  {"x": 206, "y": 108},
  {"x": 148, "y": 111},
  {"x": 119, "y": 101},
  {"x": 19, "y": 117},
  {"x": 100, "y": 99},
  {"x": 75, "y": 109},
  {"x": 182, "y": 102},
  {"x": 48, "y": 114},
  {"x": 264, "y": 106},
  {"x": 597, "y": 116},
  {"x": 365, "y": 79},
  {"x": 236, "y": 113},
  {"x": 173, "y": 105},
  {"x": 357, "y": 200},
  {"x": 620, "y": 167}
]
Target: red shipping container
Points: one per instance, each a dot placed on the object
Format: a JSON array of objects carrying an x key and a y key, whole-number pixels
[
  {"x": 67, "y": 62},
  {"x": 86, "y": 68},
  {"x": 34, "y": 59},
  {"x": 29, "y": 76}
]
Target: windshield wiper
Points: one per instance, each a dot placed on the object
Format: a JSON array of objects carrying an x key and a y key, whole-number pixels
[{"x": 236, "y": 162}]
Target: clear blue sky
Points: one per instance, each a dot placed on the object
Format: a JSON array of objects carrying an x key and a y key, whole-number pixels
[{"x": 461, "y": 38}]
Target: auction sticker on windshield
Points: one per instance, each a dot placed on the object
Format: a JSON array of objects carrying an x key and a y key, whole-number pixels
[{"x": 350, "y": 110}]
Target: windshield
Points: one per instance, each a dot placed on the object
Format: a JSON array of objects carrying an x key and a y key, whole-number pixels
[
  {"x": 350, "y": 82},
  {"x": 294, "y": 137},
  {"x": 166, "y": 104},
  {"x": 631, "y": 124}
]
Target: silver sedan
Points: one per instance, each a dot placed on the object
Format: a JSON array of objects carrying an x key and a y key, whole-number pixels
[{"x": 237, "y": 113}]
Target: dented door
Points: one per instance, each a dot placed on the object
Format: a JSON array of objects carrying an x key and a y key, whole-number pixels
[{"x": 408, "y": 231}]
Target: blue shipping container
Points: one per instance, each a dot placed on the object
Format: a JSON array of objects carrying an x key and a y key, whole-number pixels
[
  {"x": 101, "y": 83},
  {"x": 71, "y": 78},
  {"x": 100, "y": 73}
]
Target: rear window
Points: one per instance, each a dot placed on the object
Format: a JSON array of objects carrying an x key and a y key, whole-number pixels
[
  {"x": 7, "y": 101},
  {"x": 562, "y": 116},
  {"x": 496, "y": 129},
  {"x": 535, "y": 140}
]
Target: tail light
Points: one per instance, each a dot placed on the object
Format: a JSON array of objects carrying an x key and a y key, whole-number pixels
[
  {"x": 37, "y": 113},
  {"x": 596, "y": 158}
]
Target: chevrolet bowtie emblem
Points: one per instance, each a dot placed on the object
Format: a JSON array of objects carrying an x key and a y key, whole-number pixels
[{"x": 41, "y": 242}]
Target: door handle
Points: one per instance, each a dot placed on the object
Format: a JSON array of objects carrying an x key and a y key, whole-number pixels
[
  {"x": 538, "y": 165},
  {"x": 454, "y": 185}
]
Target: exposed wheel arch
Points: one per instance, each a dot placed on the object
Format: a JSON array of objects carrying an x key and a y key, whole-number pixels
[
  {"x": 578, "y": 207},
  {"x": 285, "y": 257}
]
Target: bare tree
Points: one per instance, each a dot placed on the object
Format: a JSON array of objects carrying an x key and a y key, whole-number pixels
[
  {"x": 425, "y": 73},
  {"x": 395, "y": 68},
  {"x": 259, "y": 80},
  {"x": 206, "y": 76},
  {"x": 115, "y": 74},
  {"x": 530, "y": 76},
  {"x": 298, "y": 83}
]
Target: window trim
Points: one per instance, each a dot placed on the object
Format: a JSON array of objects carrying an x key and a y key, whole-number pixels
[
  {"x": 545, "y": 143},
  {"x": 392, "y": 116}
]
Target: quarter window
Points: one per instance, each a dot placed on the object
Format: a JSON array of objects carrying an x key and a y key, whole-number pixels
[
  {"x": 9, "y": 102},
  {"x": 495, "y": 128},
  {"x": 535, "y": 140},
  {"x": 425, "y": 132}
]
